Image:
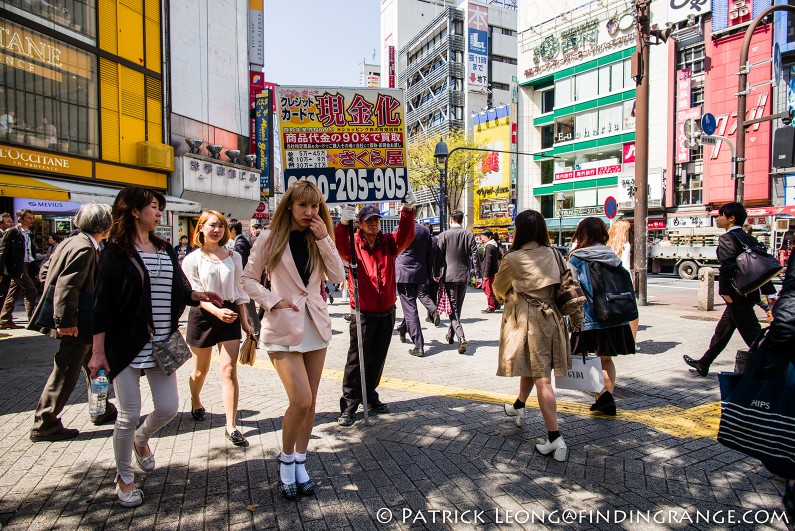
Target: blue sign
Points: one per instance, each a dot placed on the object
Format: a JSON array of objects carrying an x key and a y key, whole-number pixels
[
  {"x": 262, "y": 126},
  {"x": 708, "y": 123},
  {"x": 611, "y": 207},
  {"x": 433, "y": 221}
]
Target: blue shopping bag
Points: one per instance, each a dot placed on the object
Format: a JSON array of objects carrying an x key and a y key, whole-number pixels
[{"x": 758, "y": 414}]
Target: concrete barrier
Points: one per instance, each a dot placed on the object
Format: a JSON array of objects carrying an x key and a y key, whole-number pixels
[{"x": 706, "y": 288}]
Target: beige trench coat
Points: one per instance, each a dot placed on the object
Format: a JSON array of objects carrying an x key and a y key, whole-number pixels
[{"x": 533, "y": 337}]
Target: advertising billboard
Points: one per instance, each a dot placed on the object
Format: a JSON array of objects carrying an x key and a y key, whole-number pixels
[
  {"x": 477, "y": 47},
  {"x": 264, "y": 132},
  {"x": 350, "y": 142},
  {"x": 492, "y": 191}
]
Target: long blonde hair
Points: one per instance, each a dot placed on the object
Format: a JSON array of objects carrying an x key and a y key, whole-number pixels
[
  {"x": 618, "y": 235},
  {"x": 282, "y": 223}
]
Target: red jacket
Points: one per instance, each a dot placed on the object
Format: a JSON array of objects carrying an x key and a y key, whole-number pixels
[{"x": 376, "y": 265}]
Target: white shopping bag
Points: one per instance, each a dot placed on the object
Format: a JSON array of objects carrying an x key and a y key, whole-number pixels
[{"x": 585, "y": 375}]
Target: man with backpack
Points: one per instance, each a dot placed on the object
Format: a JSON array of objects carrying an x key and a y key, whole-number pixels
[{"x": 739, "y": 313}]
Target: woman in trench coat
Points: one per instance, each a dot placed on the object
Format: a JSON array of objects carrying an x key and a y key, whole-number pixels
[{"x": 533, "y": 337}]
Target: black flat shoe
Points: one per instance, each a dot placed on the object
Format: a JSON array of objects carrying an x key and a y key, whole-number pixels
[
  {"x": 236, "y": 438},
  {"x": 605, "y": 405},
  {"x": 696, "y": 364},
  {"x": 379, "y": 407},
  {"x": 307, "y": 488},
  {"x": 62, "y": 434},
  {"x": 198, "y": 414},
  {"x": 287, "y": 491}
]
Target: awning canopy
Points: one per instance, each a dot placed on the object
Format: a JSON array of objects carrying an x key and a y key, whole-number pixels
[
  {"x": 15, "y": 186},
  {"x": 765, "y": 211},
  {"x": 88, "y": 193}
]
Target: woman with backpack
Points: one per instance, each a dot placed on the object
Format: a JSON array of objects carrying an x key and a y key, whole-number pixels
[{"x": 606, "y": 330}]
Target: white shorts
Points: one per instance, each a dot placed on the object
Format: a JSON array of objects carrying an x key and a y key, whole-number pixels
[{"x": 311, "y": 341}]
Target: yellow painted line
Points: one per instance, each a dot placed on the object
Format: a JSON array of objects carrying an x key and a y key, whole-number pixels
[{"x": 686, "y": 423}]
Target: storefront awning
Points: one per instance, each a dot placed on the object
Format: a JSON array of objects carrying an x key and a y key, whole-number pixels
[
  {"x": 88, "y": 193},
  {"x": 553, "y": 224},
  {"x": 764, "y": 211},
  {"x": 15, "y": 186}
]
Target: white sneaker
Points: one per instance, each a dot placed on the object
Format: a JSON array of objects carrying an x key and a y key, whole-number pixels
[
  {"x": 520, "y": 414},
  {"x": 558, "y": 446}
]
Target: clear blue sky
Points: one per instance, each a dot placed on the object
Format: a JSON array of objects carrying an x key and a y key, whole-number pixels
[{"x": 320, "y": 42}]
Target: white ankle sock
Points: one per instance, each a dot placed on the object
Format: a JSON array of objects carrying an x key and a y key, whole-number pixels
[
  {"x": 301, "y": 475},
  {"x": 287, "y": 472}
]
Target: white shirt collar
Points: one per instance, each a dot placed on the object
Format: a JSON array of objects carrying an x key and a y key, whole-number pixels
[
  {"x": 733, "y": 227},
  {"x": 453, "y": 224}
]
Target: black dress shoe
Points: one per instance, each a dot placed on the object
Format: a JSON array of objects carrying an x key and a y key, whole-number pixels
[
  {"x": 417, "y": 352},
  {"x": 108, "y": 417},
  {"x": 605, "y": 404},
  {"x": 198, "y": 414},
  {"x": 449, "y": 338},
  {"x": 696, "y": 364},
  {"x": 236, "y": 438},
  {"x": 379, "y": 407},
  {"x": 403, "y": 337},
  {"x": 62, "y": 434},
  {"x": 436, "y": 319},
  {"x": 346, "y": 419}
]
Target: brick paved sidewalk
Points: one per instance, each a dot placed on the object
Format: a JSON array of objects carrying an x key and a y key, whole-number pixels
[{"x": 446, "y": 446}]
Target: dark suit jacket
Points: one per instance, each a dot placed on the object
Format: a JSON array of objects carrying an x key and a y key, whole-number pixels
[
  {"x": 456, "y": 247},
  {"x": 729, "y": 249},
  {"x": 71, "y": 269},
  {"x": 413, "y": 266},
  {"x": 243, "y": 248},
  {"x": 12, "y": 252},
  {"x": 123, "y": 304}
]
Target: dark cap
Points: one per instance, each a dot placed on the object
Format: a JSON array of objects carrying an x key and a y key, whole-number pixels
[{"x": 369, "y": 211}]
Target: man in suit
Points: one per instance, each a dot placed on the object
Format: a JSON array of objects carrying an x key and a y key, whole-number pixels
[
  {"x": 457, "y": 247},
  {"x": 430, "y": 290},
  {"x": 412, "y": 271},
  {"x": 17, "y": 253},
  {"x": 242, "y": 246},
  {"x": 70, "y": 272},
  {"x": 739, "y": 313}
]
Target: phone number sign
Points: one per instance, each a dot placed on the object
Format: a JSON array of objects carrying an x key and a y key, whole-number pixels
[{"x": 350, "y": 142}]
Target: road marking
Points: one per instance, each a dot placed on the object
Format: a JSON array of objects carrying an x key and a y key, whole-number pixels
[{"x": 690, "y": 423}]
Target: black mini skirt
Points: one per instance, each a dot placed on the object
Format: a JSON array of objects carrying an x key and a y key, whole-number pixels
[{"x": 206, "y": 330}]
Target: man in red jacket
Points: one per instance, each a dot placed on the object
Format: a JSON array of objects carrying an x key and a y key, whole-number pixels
[{"x": 375, "y": 256}]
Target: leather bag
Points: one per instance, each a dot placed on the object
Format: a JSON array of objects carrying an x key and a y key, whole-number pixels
[
  {"x": 755, "y": 268},
  {"x": 569, "y": 296},
  {"x": 248, "y": 351}
]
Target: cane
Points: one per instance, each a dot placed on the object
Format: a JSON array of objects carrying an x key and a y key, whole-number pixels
[{"x": 357, "y": 316}]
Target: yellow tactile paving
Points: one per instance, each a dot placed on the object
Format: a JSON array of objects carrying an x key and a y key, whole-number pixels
[{"x": 691, "y": 423}]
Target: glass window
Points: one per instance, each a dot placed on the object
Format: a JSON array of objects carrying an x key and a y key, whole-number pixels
[
  {"x": 617, "y": 76},
  {"x": 587, "y": 125},
  {"x": 586, "y": 85},
  {"x": 604, "y": 80},
  {"x": 692, "y": 58},
  {"x": 564, "y": 129},
  {"x": 688, "y": 185},
  {"x": 610, "y": 119},
  {"x": 76, "y": 15},
  {"x": 563, "y": 90},
  {"x": 547, "y": 171},
  {"x": 547, "y": 136},
  {"x": 585, "y": 198},
  {"x": 53, "y": 99},
  {"x": 629, "y": 83},
  {"x": 547, "y": 101},
  {"x": 547, "y": 205}
]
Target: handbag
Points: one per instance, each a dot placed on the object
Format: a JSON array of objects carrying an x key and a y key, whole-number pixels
[
  {"x": 248, "y": 351},
  {"x": 585, "y": 374},
  {"x": 172, "y": 352},
  {"x": 754, "y": 268},
  {"x": 85, "y": 310},
  {"x": 757, "y": 415},
  {"x": 443, "y": 301},
  {"x": 569, "y": 296}
]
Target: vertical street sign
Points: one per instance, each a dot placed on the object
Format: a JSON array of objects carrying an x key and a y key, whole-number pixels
[{"x": 264, "y": 116}]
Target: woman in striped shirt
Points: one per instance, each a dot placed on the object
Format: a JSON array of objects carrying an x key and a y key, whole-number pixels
[{"x": 140, "y": 294}]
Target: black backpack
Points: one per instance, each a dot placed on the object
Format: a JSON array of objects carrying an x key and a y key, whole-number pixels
[{"x": 613, "y": 294}]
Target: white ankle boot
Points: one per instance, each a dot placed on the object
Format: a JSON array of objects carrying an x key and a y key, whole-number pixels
[
  {"x": 520, "y": 414},
  {"x": 558, "y": 446}
]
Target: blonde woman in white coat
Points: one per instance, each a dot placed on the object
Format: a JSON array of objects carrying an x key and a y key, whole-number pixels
[{"x": 294, "y": 257}]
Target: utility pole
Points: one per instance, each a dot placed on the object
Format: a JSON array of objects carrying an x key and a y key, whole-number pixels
[{"x": 640, "y": 71}]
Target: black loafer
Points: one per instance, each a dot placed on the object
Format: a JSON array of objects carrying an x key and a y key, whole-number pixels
[
  {"x": 346, "y": 419},
  {"x": 403, "y": 337},
  {"x": 236, "y": 438},
  {"x": 696, "y": 364},
  {"x": 417, "y": 352},
  {"x": 62, "y": 434},
  {"x": 198, "y": 414},
  {"x": 379, "y": 407}
]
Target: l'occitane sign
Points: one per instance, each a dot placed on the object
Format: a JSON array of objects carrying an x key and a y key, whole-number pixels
[
  {"x": 23, "y": 43},
  {"x": 46, "y": 162},
  {"x": 30, "y": 51}
]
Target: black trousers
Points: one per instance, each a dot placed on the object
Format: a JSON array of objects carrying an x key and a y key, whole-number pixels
[
  {"x": 456, "y": 291},
  {"x": 735, "y": 317},
  {"x": 70, "y": 360},
  {"x": 409, "y": 293},
  {"x": 376, "y": 336}
]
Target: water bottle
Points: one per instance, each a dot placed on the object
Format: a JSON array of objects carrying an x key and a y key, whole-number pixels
[{"x": 99, "y": 395}]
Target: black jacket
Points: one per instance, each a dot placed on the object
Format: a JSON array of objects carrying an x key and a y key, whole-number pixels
[
  {"x": 456, "y": 248},
  {"x": 12, "y": 252},
  {"x": 781, "y": 335},
  {"x": 729, "y": 249},
  {"x": 123, "y": 305},
  {"x": 491, "y": 260},
  {"x": 413, "y": 265},
  {"x": 243, "y": 248}
]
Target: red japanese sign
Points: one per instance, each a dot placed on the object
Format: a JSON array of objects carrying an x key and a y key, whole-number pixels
[
  {"x": 590, "y": 172},
  {"x": 655, "y": 224},
  {"x": 629, "y": 153},
  {"x": 684, "y": 87}
]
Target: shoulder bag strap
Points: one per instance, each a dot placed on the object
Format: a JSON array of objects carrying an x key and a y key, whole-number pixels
[{"x": 739, "y": 240}]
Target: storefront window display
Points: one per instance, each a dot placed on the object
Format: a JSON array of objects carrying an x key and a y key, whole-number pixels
[
  {"x": 48, "y": 96},
  {"x": 75, "y": 15}
]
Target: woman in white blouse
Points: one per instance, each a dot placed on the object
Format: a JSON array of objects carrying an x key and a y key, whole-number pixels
[{"x": 208, "y": 325}]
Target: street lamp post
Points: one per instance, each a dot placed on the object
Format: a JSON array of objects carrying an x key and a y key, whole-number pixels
[
  {"x": 441, "y": 155},
  {"x": 561, "y": 198}
]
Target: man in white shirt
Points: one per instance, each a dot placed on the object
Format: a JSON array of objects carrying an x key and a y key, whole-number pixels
[{"x": 17, "y": 255}]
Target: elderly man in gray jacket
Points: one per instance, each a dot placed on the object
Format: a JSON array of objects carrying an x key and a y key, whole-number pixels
[
  {"x": 412, "y": 271},
  {"x": 452, "y": 267},
  {"x": 68, "y": 294}
]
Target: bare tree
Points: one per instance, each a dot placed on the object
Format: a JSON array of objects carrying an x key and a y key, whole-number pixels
[{"x": 463, "y": 168}]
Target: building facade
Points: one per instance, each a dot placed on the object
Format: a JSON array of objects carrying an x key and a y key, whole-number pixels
[{"x": 81, "y": 106}]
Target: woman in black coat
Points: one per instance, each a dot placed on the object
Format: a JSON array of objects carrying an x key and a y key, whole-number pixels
[{"x": 140, "y": 294}]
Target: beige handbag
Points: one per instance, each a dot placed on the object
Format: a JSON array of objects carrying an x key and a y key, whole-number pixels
[{"x": 248, "y": 351}]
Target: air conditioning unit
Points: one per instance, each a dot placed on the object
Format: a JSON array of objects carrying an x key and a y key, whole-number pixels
[{"x": 156, "y": 156}]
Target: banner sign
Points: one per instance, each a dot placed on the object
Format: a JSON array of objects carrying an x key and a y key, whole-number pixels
[
  {"x": 684, "y": 87},
  {"x": 477, "y": 56},
  {"x": 350, "y": 142},
  {"x": 263, "y": 117},
  {"x": 602, "y": 171},
  {"x": 492, "y": 192},
  {"x": 682, "y": 151},
  {"x": 256, "y": 33}
]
